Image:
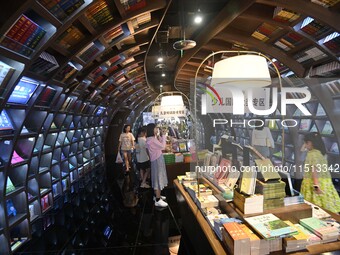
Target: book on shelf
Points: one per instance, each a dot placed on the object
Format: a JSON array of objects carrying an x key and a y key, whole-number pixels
[
  {"x": 5, "y": 122},
  {"x": 88, "y": 52},
  {"x": 320, "y": 111},
  {"x": 305, "y": 124},
  {"x": 31, "y": 211},
  {"x": 16, "y": 158},
  {"x": 334, "y": 148},
  {"x": 269, "y": 226},
  {"x": 11, "y": 211},
  {"x": 327, "y": 128},
  {"x": 133, "y": 5},
  {"x": 284, "y": 15},
  {"x": 141, "y": 20},
  {"x": 313, "y": 129},
  {"x": 67, "y": 71},
  {"x": 311, "y": 54},
  {"x": 70, "y": 38},
  {"x": 46, "y": 96},
  {"x": 9, "y": 186},
  {"x": 99, "y": 14},
  {"x": 332, "y": 42},
  {"x": 62, "y": 9},
  {"x": 45, "y": 64},
  {"x": 313, "y": 27},
  {"x": 326, "y": 70},
  {"x": 248, "y": 181},
  {"x": 325, "y": 3},
  {"x": 23, "y": 36},
  {"x": 45, "y": 204},
  {"x": 113, "y": 34},
  {"x": 6, "y": 73}
]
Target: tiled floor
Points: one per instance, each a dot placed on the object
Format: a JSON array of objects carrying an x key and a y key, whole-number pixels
[{"x": 79, "y": 227}]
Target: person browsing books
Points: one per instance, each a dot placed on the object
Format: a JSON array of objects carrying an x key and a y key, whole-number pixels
[
  {"x": 126, "y": 145},
  {"x": 317, "y": 186},
  {"x": 143, "y": 161},
  {"x": 262, "y": 139},
  {"x": 155, "y": 143}
]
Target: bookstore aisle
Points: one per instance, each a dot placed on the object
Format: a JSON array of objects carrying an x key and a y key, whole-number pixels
[{"x": 96, "y": 221}]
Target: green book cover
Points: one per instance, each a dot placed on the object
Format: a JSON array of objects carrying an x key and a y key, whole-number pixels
[{"x": 9, "y": 186}]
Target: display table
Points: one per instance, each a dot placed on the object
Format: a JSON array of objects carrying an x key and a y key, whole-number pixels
[
  {"x": 205, "y": 241},
  {"x": 175, "y": 169}
]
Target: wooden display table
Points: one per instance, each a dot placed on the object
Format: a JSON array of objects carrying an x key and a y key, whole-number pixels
[
  {"x": 175, "y": 169},
  {"x": 201, "y": 234}
]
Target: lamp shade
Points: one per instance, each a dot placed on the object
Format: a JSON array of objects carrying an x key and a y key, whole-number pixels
[
  {"x": 173, "y": 100},
  {"x": 242, "y": 71}
]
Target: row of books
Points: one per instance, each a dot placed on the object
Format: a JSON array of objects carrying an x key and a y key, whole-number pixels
[
  {"x": 306, "y": 125},
  {"x": 45, "y": 64},
  {"x": 140, "y": 20},
  {"x": 113, "y": 34},
  {"x": 133, "y": 5},
  {"x": 314, "y": 28},
  {"x": 67, "y": 72},
  {"x": 320, "y": 111},
  {"x": 312, "y": 54},
  {"x": 332, "y": 42},
  {"x": 63, "y": 8},
  {"x": 289, "y": 41},
  {"x": 70, "y": 37},
  {"x": 23, "y": 36},
  {"x": 326, "y": 3},
  {"x": 88, "y": 52},
  {"x": 329, "y": 69},
  {"x": 284, "y": 15},
  {"x": 333, "y": 87},
  {"x": 99, "y": 13}
]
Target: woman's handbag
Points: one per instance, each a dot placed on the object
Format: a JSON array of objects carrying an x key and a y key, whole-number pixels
[{"x": 119, "y": 159}]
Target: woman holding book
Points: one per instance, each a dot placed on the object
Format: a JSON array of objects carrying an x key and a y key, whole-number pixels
[
  {"x": 317, "y": 186},
  {"x": 155, "y": 143},
  {"x": 126, "y": 145}
]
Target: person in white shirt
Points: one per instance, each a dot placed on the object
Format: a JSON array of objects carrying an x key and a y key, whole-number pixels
[
  {"x": 143, "y": 161},
  {"x": 126, "y": 145},
  {"x": 262, "y": 138}
]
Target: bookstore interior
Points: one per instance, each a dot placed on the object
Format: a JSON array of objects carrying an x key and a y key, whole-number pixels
[{"x": 247, "y": 92}]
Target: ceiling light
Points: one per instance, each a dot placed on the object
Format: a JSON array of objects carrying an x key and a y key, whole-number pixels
[
  {"x": 163, "y": 74},
  {"x": 161, "y": 86},
  {"x": 198, "y": 18},
  {"x": 160, "y": 59}
]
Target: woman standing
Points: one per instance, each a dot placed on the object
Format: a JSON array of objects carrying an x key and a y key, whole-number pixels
[
  {"x": 155, "y": 143},
  {"x": 126, "y": 144},
  {"x": 317, "y": 186},
  {"x": 262, "y": 139},
  {"x": 143, "y": 162}
]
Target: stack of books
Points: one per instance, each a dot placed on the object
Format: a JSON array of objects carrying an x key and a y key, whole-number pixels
[
  {"x": 296, "y": 242},
  {"x": 326, "y": 3},
  {"x": 289, "y": 41},
  {"x": 205, "y": 201},
  {"x": 273, "y": 193},
  {"x": 63, "y": 8},
  {"x": 248, "y": 204},
  {"x": 326, "y": 70},
  {"x": 23, "y": 36},
  {"x": 310, "y": 55},
  {"x": 320, "y": 228},
  {"x": 236, "y": 239},
  {"x": 270, "y": 227},
  {"x": 169, "y": 158},
  {"x": 45, "y": 64},
  {"x": 186, "y": 180},
  {"x": 99, "y": 14},
  {"x": 218, "y": 225}
]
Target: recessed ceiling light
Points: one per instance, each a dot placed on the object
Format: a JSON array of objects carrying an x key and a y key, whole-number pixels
[
  {"x": 160, "y": 59},
  {"x": 163, "y": 74},
  {"x": 161, "y": 86},
  {"x": 198, "y": 19}
]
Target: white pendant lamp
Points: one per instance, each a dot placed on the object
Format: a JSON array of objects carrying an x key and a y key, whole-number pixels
[{"x": 242, "y": 71}]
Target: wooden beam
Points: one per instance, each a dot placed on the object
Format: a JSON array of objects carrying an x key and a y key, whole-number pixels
[{"x": 227, "y": 15}]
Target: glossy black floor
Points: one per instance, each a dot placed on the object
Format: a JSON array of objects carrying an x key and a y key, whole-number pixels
[{"x": 96, "y": 220}]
